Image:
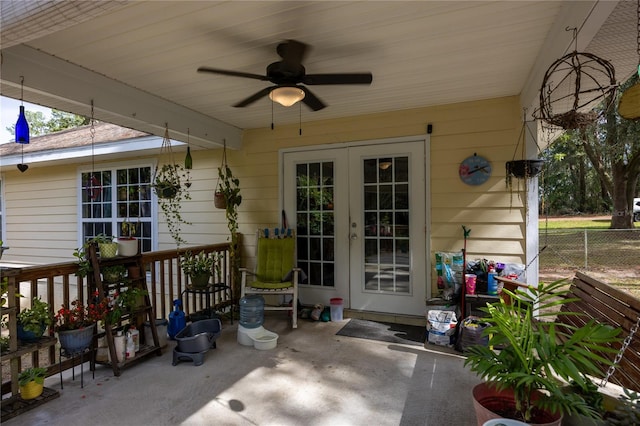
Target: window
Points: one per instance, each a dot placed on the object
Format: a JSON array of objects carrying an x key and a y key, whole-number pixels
[
  {"x": 108, "y": 197},
  {"x": 314, "y": 219}
]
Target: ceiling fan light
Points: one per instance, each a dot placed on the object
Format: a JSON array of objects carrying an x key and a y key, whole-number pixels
[{"x": 287, "y": 95}]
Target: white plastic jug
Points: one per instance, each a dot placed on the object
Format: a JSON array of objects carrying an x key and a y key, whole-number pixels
[{"x": 336, "y": 309}]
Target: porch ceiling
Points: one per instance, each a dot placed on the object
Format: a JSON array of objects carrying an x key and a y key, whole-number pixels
[{"x": 137, "y": 60}]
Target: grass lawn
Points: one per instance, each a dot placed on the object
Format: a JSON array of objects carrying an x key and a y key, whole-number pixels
[
  {"x": 575, "y": 223},
  {"x": 612, "y": 255}
]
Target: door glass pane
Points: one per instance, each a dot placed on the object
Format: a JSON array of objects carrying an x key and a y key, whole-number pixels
[
  {"x": 315, "y": 222},
  {"x": 386, "y": 221}
]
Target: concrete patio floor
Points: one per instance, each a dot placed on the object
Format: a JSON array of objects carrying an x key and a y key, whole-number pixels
[{"x": 312, "y": 377}]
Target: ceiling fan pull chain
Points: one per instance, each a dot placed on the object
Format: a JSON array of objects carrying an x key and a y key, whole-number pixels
[{"x": 299, "y": 120}]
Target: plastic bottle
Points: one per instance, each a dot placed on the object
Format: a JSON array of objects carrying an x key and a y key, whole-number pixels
[
  {"x": 252, "y": 311},
  {"x": 135, "y": 335},
  {"x": 131, "y": 349},
  {"x": 177, "y": 320}
]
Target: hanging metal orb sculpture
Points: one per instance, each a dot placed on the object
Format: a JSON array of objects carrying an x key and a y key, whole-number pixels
[{"x": 572, "y": 88}]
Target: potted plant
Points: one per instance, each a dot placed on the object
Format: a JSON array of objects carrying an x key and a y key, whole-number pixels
[
  {"x": 108, "y": 248},
  {"x": 106, "y": 245},
  {"x": 31, "y": 382},
  {"x": 127, "y": 241},
  {"x": 113, "y": 274},
  {"x": 626, "y": 411},
  {"x": 84, "y": 266},
  {"x": 536, "y": 357},
  {"x": 33, "y": 321},
  {"x": 75, "y": 324},
  {"x": 229, "y": 186},
  {"x": 122, "y": 303},
  {"x": 198, "y": 268},
  {"x": 594, "y": 398},
  {"x": 170, "y": 198}
]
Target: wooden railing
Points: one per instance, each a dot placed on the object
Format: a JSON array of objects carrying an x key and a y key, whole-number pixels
[{"x": 56, "y": 284}]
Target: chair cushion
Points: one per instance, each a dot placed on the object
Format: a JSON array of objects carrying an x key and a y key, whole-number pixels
[{"x": 274, "y": 260}]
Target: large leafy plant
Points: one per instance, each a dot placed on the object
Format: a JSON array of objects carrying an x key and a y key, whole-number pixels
[
  {"x": 34, "y": 318},
  {"x": 197, "y": 264},
  {"x": 535, "y": 352},
  {"x": 32, "y": 374}
]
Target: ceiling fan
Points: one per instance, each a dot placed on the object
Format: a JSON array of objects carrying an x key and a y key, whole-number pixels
[{"x": 289, "y": 76}]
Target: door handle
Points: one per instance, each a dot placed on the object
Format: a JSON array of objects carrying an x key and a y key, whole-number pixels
[{"x": 353, "y": 236}]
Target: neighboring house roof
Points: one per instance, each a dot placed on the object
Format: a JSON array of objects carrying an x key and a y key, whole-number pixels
[
  {"x": 72, "y": 138},
  {"x": 73, "y": 145}
]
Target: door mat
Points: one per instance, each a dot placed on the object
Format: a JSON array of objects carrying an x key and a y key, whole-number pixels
[{"x": 384, "y": 332}]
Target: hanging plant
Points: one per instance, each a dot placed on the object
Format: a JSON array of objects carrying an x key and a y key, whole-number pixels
[
  {"x": 228, "y": 194},
  {"x": 521, "y": 169},
  {"x": 219, "y": 196},
  {"x": 167, "y": 184}
]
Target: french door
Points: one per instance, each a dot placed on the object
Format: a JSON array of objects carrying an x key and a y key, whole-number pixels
[{"x": 359, "y": 215}]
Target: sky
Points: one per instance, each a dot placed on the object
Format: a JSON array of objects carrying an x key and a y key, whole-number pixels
[{"x": 9, "y": 110}]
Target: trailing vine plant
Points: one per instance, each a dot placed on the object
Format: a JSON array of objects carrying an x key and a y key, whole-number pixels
[
  {"x": 229, "y": 187},
  {"x": 168, "y": 186}
]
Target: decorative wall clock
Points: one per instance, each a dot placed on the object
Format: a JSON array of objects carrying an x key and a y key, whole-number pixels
[{"x": 475, "y": 170}]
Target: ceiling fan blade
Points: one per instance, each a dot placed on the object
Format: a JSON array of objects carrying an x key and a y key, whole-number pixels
[
  {"x": 311, "y": 100},
  {"x": 354, "y": 78},
  {"x": 292, "y": 53},
  {"x": 233, "y": 73},
  {"x": 251, "y": 99}
]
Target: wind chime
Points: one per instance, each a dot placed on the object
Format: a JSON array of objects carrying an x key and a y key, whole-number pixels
[
  {"x": 629, "y": 106},
  {"x": 573, "y": 86},
  {"x": 22, "y": 128},
  {"x": 188, "y": 162}
]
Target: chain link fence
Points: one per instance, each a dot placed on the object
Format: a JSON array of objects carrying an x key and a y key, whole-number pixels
[{"x": 611, "y": 252}]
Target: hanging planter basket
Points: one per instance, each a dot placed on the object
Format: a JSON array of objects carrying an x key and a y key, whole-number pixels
[
  {"x": 171, "y": 183},
  {"x": 219, "y": 201},
  {"x": 572, "y": 88},
  {"x": 166, "y": 189},
  {"x": 523, "y": 169},
  {"x": 219, "y": 198}
]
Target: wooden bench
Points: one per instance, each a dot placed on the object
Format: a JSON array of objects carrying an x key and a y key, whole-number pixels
[{"x": 609, "y": 305}]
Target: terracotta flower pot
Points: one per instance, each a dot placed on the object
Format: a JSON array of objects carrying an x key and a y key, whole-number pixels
[
  {"x": 489, "y": 401},
  {"x": 219, "y": 201}
]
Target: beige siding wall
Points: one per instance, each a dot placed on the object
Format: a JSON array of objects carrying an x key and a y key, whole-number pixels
[
  {"x": 489, "y": 128},
  {"x": 40, "y": 212},
  {"x": 40, "y": 204}
]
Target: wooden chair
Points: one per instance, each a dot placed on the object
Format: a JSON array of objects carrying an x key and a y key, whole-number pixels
[{"x": 275, "y": 273}]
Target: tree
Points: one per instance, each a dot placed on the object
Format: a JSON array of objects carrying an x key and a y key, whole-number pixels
[
  {"x": 59, "y": 120},
  {"x": 612, "y": 145},
  {"x": 596, "y": 168}
]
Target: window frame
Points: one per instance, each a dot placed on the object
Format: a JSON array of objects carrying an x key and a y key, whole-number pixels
[{"x": 114, "y": 167}]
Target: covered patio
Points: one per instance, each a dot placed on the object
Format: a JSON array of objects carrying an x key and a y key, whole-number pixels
[
  {"x": 463, "y": 76},
  {"x": 312, "y": 377}
]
